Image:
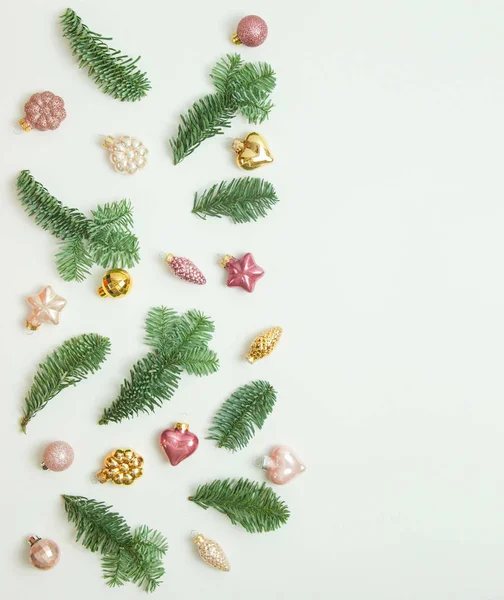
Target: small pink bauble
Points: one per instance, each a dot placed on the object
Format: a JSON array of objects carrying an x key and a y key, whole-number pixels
[
  {"x": 58, "y": 456},
  {"x": 282, "y": 465},
  {"x": 44, "y": 554},
  {"x": 43, "y": 111},
  {"x": 178, "y": 443},
  {"x": 185, "y": 269},
  {"x": 251, "y": 31}
]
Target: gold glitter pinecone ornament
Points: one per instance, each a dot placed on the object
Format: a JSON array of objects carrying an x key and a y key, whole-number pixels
[
  {"x": 122, "y": 467},
  {"x": 264, "y": 344},
  {"x": 211, "y": 552}
]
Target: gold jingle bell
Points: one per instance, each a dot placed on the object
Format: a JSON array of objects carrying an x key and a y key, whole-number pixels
[
  {"x": 252, "y": 152},
  {"x": 115, "y": 283},
  {"x": 122, "y": 467}
]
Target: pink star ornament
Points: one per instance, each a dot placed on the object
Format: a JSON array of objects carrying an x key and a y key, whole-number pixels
[
  {"x": 46, "y": 307},
  {"x": 243, "y": 272}
]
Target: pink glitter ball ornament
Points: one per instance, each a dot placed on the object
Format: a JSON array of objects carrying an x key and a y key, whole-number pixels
[
  {"x": 251, "y": 31},
  {"x": 43, "y": 111},
  {"x": 58, "y": 456},
  {"x": 185, "y": 269}
]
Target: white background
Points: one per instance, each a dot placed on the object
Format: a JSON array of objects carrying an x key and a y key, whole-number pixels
[{"x": 383, "y": 265}]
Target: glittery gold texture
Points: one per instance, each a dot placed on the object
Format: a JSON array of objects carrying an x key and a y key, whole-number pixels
[
  {"x": 123, "y": 467},
  {"x": 211, "y": 553},
  {"x": 264, "y": 344}
]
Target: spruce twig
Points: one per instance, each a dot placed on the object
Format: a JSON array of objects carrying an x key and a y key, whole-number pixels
[
  {"x": 247, "y": 408},
  {"x": 244, "y": 199},
  {"x": 126, "y": 557},
  {"x": 72, "y": 362},
  {"x": 247, "y": 503},
  {"x": 115, "y": 73}
]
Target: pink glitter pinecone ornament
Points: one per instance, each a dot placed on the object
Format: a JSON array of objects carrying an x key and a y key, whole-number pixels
[
  {"x": 43, "y": 111},
  {"x": 185, "y": 269},
  {"x": 251, "y": 31}
]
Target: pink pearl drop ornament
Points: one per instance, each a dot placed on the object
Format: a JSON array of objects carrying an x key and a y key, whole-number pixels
[
  {"x": 44, "y": 554},
  {"x": 282, "y": 465},
  {"x": 44, "y": 111},
  {"x": 58, "y": 456},
  {"x": 251, "y": 31},
  {"x": 185, "y": 269}
]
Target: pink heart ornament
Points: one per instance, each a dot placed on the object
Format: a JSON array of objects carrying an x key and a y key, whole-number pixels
[
  {"x": 283, "y": 465},
  {"x": 178, "y": 443}
]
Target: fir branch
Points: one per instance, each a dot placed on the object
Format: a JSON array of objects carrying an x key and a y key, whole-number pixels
[
  {"x": 244, "y": 199},
  {"x": 246, "y": 409},
  {"x": 105, "y": 240},
  {"x": 247, "y": 503},
  {"x": 72, "y": 362},
  {"x": 115, "y": 73},
  {"x": 253, "y": 79},
  {"x": 127, "y": 557},
  {"x": 256, "y": 110},
  {"x": 224, "y": 72},
  {"x": 180, "y": 343}
]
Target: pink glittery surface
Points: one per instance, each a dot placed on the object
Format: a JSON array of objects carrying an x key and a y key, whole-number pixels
[
  {"x": 58, "y": 456},
  {"x": 178, "y": 445},
  {"x": 252, "y": 30},
  {"x": 186, "y": 270},
  {"x": 243, "y": 272},
  {"x": 45, "y": 111}
]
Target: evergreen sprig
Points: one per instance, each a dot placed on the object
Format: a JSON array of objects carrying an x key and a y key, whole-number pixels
[
  {"x": 236, "y": 421},
  {"x": 126, "y": 556},
  {"x": 241, "y": 88},
  {"x": 105, "y": 239},
  {"x": 70, "y": 363},
  {"x": 179, "y": 343},
  {"x": 115, "y": 73},
  {"x": 247, "y": 503},
  {"x": 244, "y": 199}
]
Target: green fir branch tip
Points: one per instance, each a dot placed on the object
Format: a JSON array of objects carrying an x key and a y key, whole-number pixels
[
  {"x": 105, "y": 240},
  {"x": 241, "y": 88},
  {"x": 244, "y": 199},
  {"x": 72, "y": 362},
  {"x": 250, "y": 504},
  {"x": 179, "y": 343},
  {"x": 237, "y": 419},
  {"x": 135, "y": 557},
  {"x": 115, "y": 73}
]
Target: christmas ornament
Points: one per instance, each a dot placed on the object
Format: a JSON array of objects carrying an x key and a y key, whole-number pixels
[
  {"x": 127, "y": 556},
  {"x": 264, "y": 344},
  {"x": 244, "y": 199},
  {"x": 72, "y": 362},
  {"x": 113, "y": 72},
  {"x": 211, "y": 552},
  {"x": 282, "y": 465},
  {"x": 178, "y": 443},
  {"x": 251, "y": 31},
  {"x": 44, "y": 111},
  {"x": 105, "y": 239},
  {"x": 122, "y": 467},
  {"x": 185, "y": 269},
  {"x": 236, "y": 421},
  {"x": 179, "y": 343},
  {"x": 126, "y": 154},
  {"x": 254, "y": 506},
  {"x": 243, "y": 272},
  {"x": 44, "y": 554},
  {"x": 45, "y": 308},
  {"x": 116, "y": 283},
  {"x": 58, "y": 456},
  {"x": 241, "y": 88},
  {"x": 252, "y": 152}
]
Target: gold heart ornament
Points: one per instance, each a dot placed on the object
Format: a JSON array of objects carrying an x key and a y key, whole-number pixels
[{"x": 252, "y": 152}]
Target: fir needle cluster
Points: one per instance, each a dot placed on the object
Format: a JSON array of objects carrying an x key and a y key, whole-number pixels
[
  {"x": 179, "y": 343},
  {"x": 241, "y": 88},
  {"x": 252, "y": 505},
  {"x": 105, "y": 240},
  {"x": 115, "y": 73},
  {"x": 72, "y": 362},
  {"x": 127, "y": 556}
]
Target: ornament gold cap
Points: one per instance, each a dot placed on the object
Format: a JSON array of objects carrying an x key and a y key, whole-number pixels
[
  {"x": 44, "y": 466},
  {"x": 225, "y": 260},
  {"x": 181, "y": 426},
  {"x": 25, "y": 125},
  {"x": 168, "y": 258},
  {"x": 31, "y": 325},
  {"x": 235, "y": 39},
  {"x": 108, "y": 142},
  {"x": 33, "y": 539},
  {"x": 238, "y": 145}
]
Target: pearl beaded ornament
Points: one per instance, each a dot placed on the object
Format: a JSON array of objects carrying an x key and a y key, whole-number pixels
[{"x": 127, "y": 154}]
